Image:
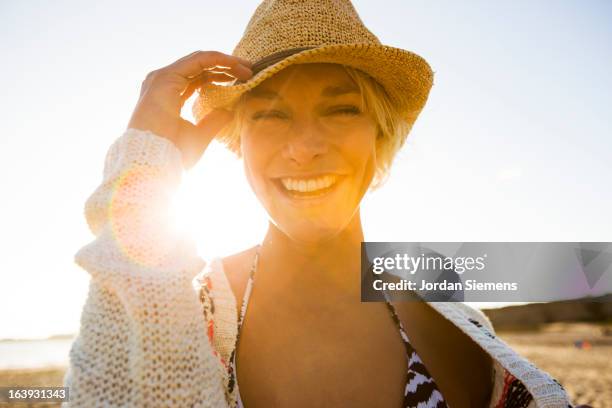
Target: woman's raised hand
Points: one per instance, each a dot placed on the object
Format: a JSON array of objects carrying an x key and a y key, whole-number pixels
[{"x": 165, "y": 90}]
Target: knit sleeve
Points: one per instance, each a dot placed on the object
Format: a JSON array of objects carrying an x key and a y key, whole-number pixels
[
  {"x": 142, "y": 340},
  {"x": 477, "y": 315}
]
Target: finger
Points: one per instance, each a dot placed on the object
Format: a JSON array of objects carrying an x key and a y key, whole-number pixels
[
  {"x": 186, "y": 56},
  {"x": 214, "y": 76},
  {"x": 194, "y": 64},
  {"x": 206, "y": 78},
  {"x": 189, "y": 91},
  {"x": 243, "y": 61}
]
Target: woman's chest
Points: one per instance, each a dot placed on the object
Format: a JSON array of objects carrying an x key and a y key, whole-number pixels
[
  {"x": 354, "y": 357},
  {"x": 311, "y": 361}
]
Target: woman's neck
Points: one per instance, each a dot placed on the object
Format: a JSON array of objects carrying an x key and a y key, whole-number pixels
[{"x": 313, "y": 268}]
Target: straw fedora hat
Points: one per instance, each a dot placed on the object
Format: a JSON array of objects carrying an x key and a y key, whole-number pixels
[{"x": 285, "y": 32}]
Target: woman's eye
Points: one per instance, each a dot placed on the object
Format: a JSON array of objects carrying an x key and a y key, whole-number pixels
[
  {"x": 268, "y": 114},
  {"x": 346, "y": 110}
]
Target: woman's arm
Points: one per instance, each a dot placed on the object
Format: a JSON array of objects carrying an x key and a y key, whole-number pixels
[{"x": 143, "y": 340}]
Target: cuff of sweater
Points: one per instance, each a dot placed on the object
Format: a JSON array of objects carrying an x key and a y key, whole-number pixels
[
  {"x": 139, "y": 166},
  {"x": 143, "y": 147}
]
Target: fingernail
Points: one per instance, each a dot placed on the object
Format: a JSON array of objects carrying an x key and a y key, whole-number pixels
[{"x": 246, "y": 62}]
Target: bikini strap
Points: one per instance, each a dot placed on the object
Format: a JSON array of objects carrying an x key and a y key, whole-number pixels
[
  {"x": 243, "y": 308},
  {"x": 249, "y": 287},
  {"x": 399, "y": 325}
]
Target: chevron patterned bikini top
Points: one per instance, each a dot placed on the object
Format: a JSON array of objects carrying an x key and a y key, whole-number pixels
[{"x": 420, "y": 391}]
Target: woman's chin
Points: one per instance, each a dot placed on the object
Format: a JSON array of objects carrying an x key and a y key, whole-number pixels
[
  {"x": 313, "y": 220},
  {"x": 310, "y": 234}
]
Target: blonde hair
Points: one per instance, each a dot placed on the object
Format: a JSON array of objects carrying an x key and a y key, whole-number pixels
[{"x": 393, "y": 129}]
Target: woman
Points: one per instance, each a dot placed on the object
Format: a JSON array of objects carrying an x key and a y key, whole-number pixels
[{"x": 317, "y": 118}]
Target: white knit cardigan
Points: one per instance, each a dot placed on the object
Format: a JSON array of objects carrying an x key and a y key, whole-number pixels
[{"x": 145, "y": 338}]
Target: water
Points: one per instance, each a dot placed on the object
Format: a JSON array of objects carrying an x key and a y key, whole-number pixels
[{"x": 34, "y": 353}]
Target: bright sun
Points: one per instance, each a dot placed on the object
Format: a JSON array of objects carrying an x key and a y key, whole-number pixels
[{"x": 216, "y": 207}]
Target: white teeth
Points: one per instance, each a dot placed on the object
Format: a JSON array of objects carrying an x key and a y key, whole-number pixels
[{"x": 309, "y": 185}]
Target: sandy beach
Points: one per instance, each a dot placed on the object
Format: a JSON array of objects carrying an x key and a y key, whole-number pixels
[
  {"x": 585, "y": 372},
  {"x": 32, "y": 377}
]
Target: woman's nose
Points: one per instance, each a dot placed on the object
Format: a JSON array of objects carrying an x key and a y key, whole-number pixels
[{"x": 305, "y": 143}]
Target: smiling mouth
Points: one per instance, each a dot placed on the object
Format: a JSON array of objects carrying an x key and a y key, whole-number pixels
[{"x": 305, "y": 188}]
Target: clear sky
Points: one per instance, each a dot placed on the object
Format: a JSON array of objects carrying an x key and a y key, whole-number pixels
[{"x": 515, "y": 143}]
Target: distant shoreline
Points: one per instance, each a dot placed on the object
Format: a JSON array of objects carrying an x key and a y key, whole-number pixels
[{"x": 530, "y": 316}]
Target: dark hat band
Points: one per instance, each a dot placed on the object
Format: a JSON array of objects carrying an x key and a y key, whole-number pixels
[{"x": 273, "y": 59}]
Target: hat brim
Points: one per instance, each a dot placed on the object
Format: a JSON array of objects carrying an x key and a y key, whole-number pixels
[{"x": 406, "y": 76}]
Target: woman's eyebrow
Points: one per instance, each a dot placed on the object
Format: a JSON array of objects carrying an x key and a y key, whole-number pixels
[{"x": 337, "y": 90}]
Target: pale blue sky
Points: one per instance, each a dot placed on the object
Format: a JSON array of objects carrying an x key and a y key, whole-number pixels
[{"x": 515, "y": 143}]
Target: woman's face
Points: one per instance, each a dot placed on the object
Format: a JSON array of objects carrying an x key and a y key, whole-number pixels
[{"x": 309, "y": 149}]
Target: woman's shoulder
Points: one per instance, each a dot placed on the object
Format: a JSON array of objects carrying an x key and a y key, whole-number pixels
[
  {"x": 516, "y": 379},
  {"x": 216, "y": 285},
  {"x": 236, "y": 269},
  {"x": 227, "y": 274},
  {"x": 220, "y": 283}
]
